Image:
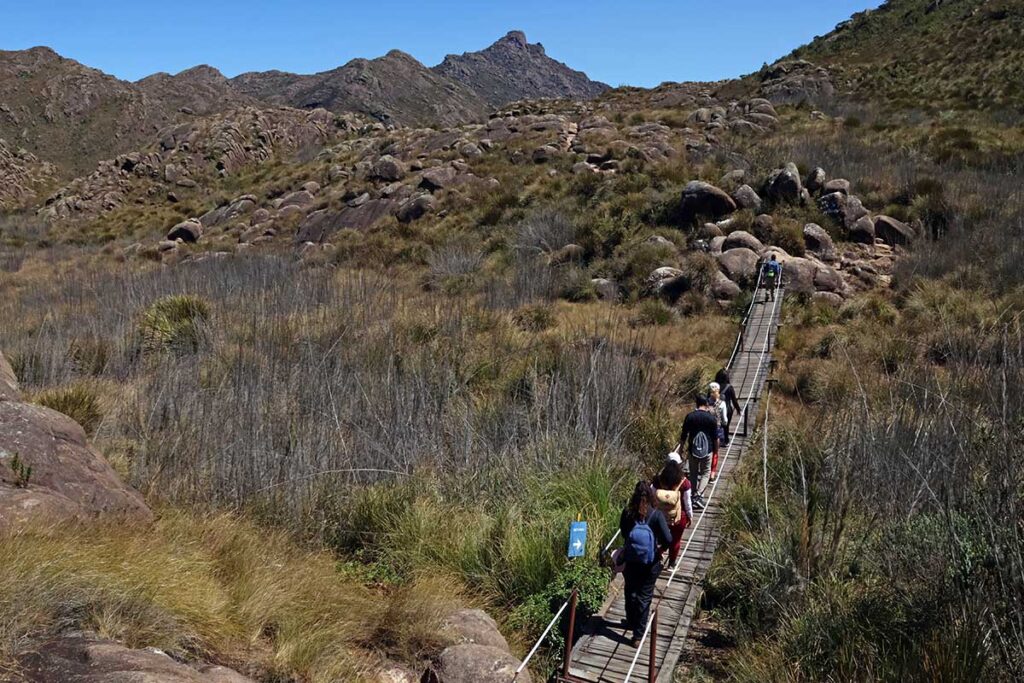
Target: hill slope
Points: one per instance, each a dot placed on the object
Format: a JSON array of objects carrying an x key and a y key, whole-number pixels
[
  {"x": 929, "y": 53},
  {"x": 513, "y": 69}
]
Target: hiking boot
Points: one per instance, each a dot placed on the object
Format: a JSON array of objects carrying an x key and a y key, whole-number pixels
[
  {"x": 714, "y": 476},
  {"x": 698, "y": 502}
]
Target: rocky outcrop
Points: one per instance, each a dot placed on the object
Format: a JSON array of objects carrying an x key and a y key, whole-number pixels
[
  {"x": 892, "y": 231},
  {"x": 87, "y": 658},
  {"x": 796, "y": 81},
  {"x": 819, "y": 242},
  {"x": 783, "y": 185},
  {"x": 513, "y": 69},
  {"x": 22, "y": 175},
  {"x": 472, "y": 663},
  {"x": 68, "y": 480}
]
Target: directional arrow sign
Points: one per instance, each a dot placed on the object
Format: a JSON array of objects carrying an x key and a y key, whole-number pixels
[{"x": 577, "y": 539}]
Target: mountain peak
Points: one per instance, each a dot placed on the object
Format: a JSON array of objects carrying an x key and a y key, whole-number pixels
[
  {"x": 515, "y": 38},
  {"x": 513, "y": 69}
]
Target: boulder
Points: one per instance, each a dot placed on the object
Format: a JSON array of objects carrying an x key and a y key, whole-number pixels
[
  {"x": 583, "y": 168},
  {"x": 311, "y": 186},
  {"x": 709, "y": 230},
  {"x": 739, "y": 265},
  {"x": 763, "y": 227},
  {"x": 470, "y": 663},
  {"x": 733, "y": 179},
  {"x": 68, "y": 480},
  {"x": 724, "y": 289},
  {"x": 434, "y": 179},
  {"x": 473, "y": 626},
  {"x": 819, "y": 242},
  {"x": 828, "y": 298},
  {"x": 716, "y": 244},
  {"x": 415, "y": 208},
  {"x": 747, "y": 198},
  {"x": 388, "y": 168},
  {"x": 300, "y": 198},
  {"x": 741, "y": 239},
  {"x": 470, "y": 150},
  {"x": 87, "y": 658},
  {"x": 836, "y": 185},
  {"x": 223, "y": 214},
  {"x": 660, "y": 274},
  {"x": 815, "y": 180},
  {"x": 186, "y": 231},
  {"x": 567, "y": 254},
  {"x": 843, "y": 209},
  {"x": 607, "y": 290},
  {"x": 544, "y": 154},
  {"x": 798, "y": 273},
  {"x": 863, "y": 231},
  {"x": 784, "y": 184},
  {"x": 827, "y": 279},
  {"x": 892, "y": 231},
  {"x": 704, "y": 199}
]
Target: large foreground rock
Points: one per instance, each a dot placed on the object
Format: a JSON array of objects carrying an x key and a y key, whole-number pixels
[
  {"x": 893, "y": 232},
  {"x": 474, "y": 626},
  {"x": 470, "y": 663},
  {"x": 85, "y": 658},
  {"x": 69, "y": 480}
]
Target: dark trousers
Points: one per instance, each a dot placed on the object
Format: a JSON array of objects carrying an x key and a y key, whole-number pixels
[{"x": 640, "y": 579}]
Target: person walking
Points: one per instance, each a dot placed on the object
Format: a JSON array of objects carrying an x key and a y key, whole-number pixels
[
  {"x": 772, "y": 271},
  {"x": 646, "y": 535},
  {"x": 732, "y": 404},
  {"x": 721, "y": 412},
  {"x": 672, "y": 497},
  {"x": 700, "y": 437}
]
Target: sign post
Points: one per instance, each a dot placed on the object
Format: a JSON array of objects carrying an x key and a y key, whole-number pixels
[{"x": 577, "y": 539}]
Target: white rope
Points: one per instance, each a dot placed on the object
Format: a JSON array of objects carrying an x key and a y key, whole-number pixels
[
  {"x": 764, "y": 462},
  {"x": 714, "y": 485},
  {"x": 540, "y": 640}
]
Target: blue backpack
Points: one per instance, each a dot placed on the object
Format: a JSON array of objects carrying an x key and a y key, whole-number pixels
[{"x": 639, "y": 545}]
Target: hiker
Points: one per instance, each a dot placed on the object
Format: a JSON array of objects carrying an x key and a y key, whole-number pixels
[
  {"x": 772, "y": 271},
  {"x": 672, "y": 497},
  {"x": 646, "y": 535},
  {"x": 700, "y": 437},
  {"x": 732, "y": 404},
  {"x": 721, "y": 412}
]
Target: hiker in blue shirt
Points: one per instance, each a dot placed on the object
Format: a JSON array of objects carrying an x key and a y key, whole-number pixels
[
  {"x": 772, "y": 271},
  {"x": 646, "y": 536}
]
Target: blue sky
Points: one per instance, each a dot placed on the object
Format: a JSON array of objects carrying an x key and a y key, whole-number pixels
[{"x": 634, "y": 42}]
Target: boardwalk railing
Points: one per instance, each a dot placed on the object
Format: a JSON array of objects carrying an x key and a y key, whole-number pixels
[{"x": 651, "y": 627}]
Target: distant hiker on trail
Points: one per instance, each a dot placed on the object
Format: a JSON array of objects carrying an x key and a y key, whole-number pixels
[
  {"x": 772, "y": 271},
  {"x": 672, "y": 497},
  {"x": 732, "y": 404},
  {"x": 700, "y": 437},
  {"x": 646, "y": 535},
  {"x": 721, "y": 412}
]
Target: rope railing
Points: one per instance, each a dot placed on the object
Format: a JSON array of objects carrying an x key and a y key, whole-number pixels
[
  {"x": 558, "y": 615},
  {"x": 711, "y": 493}
]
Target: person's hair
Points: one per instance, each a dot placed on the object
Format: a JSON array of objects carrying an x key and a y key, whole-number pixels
[
  {"x": 771, "y": 256},
  {"x": 722, "y": 377},
  {"x": 640, "y": 502},
  {"x": 670, "y": 477},
  {"x": 702, "y": 401},
  {"x": 715, "y": 391}
]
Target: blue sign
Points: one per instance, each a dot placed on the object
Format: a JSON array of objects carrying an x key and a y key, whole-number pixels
[{"x": 577, "y": 539}]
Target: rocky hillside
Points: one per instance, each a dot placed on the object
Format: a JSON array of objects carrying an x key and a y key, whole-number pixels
[
  {"x": 513, "y": 69},
  {"x": 395, "y": 88},
  {"x": 22, "y": 175},
  {"x": 928, "y": 54},
  {"x": 200, "y": 90},
  {"x": 69, "y": 114}
]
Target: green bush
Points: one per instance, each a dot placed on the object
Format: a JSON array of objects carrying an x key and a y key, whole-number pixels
[
  {"x": 79, "y": 402},
  {"x": 175, "y": 323},
  {"x": 652, "y": 312}
]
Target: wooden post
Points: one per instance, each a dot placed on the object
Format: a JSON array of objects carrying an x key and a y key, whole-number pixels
[{"x": 572, "y": 628}]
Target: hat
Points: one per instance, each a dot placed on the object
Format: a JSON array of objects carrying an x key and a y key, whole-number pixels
[
  {"x": 675, "y": 457},
  {"x": 714, "y": 386}
]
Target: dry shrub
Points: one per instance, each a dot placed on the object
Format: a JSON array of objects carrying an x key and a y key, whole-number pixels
[{"x": 79, "y": 402}]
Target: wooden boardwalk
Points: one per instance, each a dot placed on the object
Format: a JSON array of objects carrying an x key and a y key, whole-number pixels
[{"x": 603, "y": 654}]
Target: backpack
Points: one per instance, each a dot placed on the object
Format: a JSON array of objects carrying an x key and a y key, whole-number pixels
[
  {"x": 639, "y": 545},
  {"x": 700, "y": 446}
]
